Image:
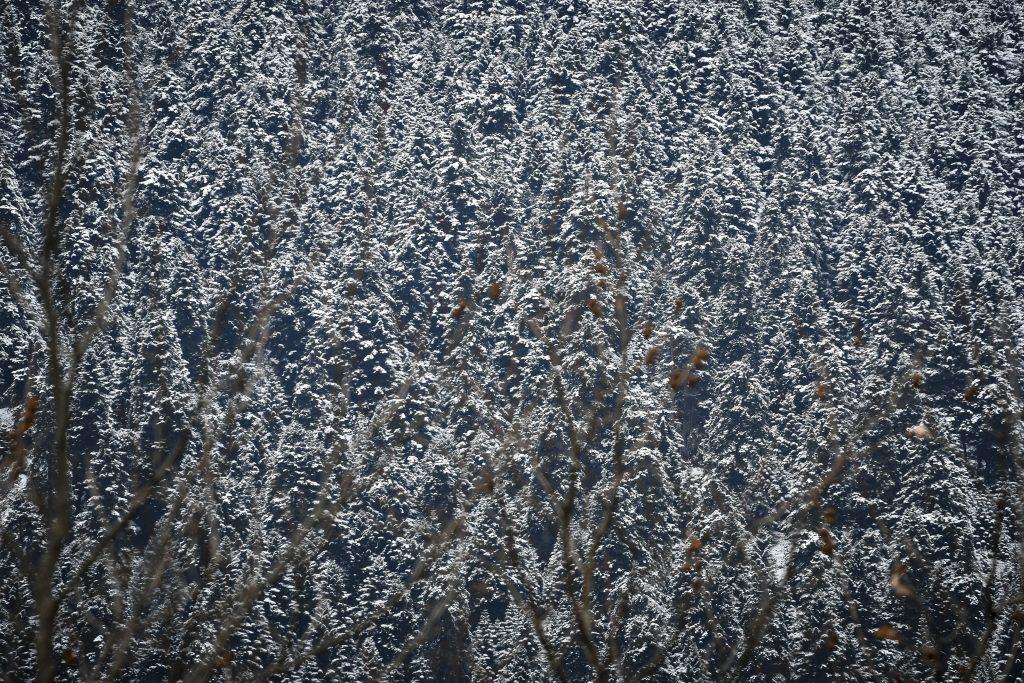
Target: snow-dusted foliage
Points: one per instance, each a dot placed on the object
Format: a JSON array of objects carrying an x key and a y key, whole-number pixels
[{"x": 618, "y": 340}]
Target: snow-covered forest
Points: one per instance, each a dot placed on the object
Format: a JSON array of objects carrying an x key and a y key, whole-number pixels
[{"x": 452, "y": 340}]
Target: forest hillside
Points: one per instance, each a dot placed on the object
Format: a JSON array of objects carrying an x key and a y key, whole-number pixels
[{"x": 424, "y": 340}]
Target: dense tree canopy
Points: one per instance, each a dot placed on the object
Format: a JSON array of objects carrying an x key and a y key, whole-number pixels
[{"x": 621, "y": 340}]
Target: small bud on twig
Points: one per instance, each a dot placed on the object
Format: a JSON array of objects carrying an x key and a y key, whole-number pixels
[
  {"x": 898, "y": 585},
  {"x": 920, "y": 432},
  {"x": 887, "y": 633},
  {"x": 31, "y": 406},
  {"x": 459, "y": 309},
  {"x": 827, "y": 545}
]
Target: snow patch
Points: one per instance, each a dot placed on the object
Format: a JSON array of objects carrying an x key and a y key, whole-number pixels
[{"x": 778, "y": 557}]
